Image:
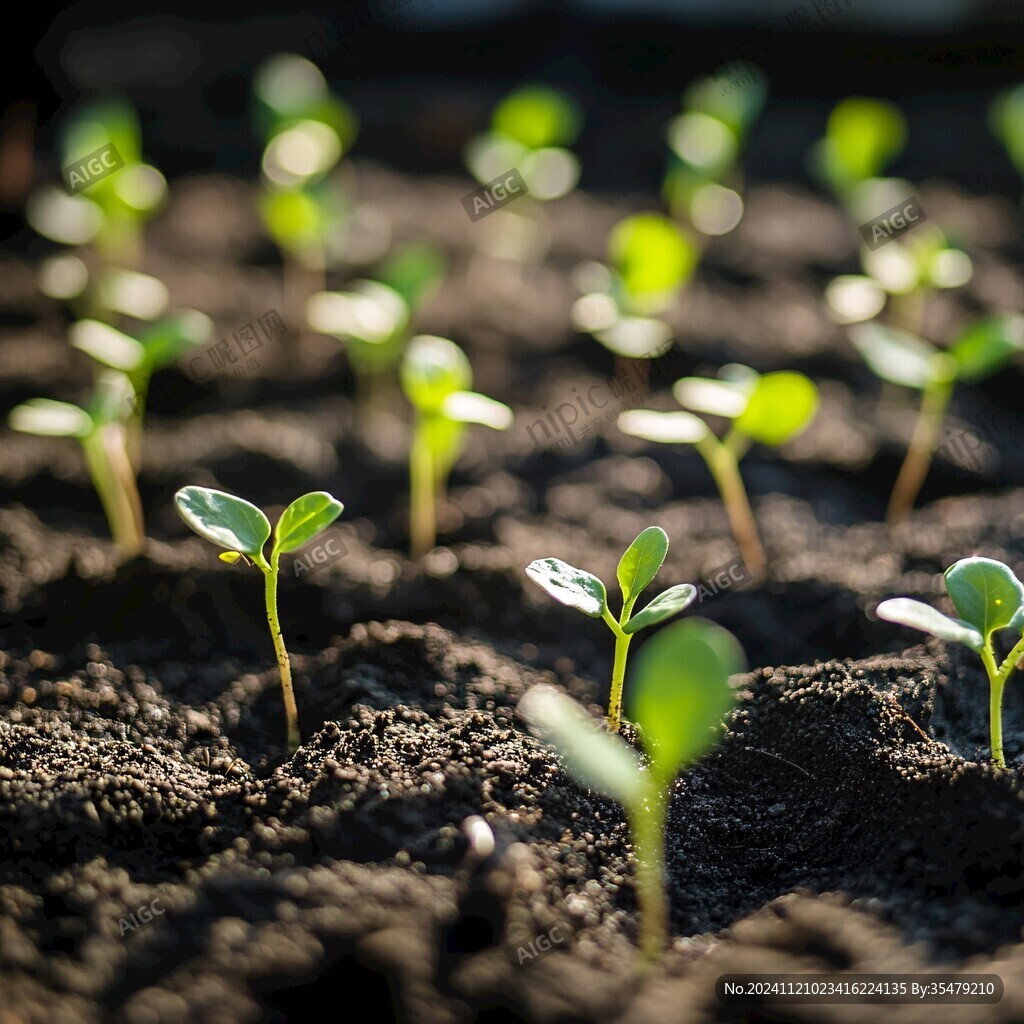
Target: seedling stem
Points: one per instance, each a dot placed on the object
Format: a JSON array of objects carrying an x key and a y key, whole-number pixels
[
  {"x": 270, "y": 573},
  {"x": 106, "y": 456},
  {"x": 618, "y": 666}
]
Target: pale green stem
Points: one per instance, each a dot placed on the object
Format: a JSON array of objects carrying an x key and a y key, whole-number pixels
[
  {"x": 422, "y": 494},
  {"x": 270, "y": 573},
  {"x": 114, "y": 481},
  {"x": 997, "y": 676},
  {"x": 725, "y": 469},
  {"x": 914, "y": 470},
  {"x": 647, "y": 824},
  {"x": 622, "y": 641}
]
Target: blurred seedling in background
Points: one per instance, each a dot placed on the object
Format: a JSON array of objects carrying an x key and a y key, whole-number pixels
[
  {"x": 373, "y": 317},
  {"x": 531, "y": 131},
  {"x": 704, "y": 184},
  {"x": 902, "y": 358},
  {"x": 770, "y": 410},
  {"x": 100, "y": 428},
  {"x": 306, "y": 203},
  {"x": 104, "y": 222},
  {"x": 988, "y": 597},
  {"x": 241, "y": 528},
  {"x": 157, "y": 346},
  {"x": 862, "y": 139},
  {"x": 436, "y": 378},
  {"x": 586, "y": 593},
  {"x": 680, "y": 694},
  {"x": 1006, "y": 118},
  {"x": 650, "y": 260}
]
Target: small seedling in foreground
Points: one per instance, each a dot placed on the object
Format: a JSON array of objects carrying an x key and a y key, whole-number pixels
[
  {"x": 637, "y": 568},
  {"x": 372, "y": 318},
  {"x": 100, "y": 429},
  {"x": 436, "y": 377},
  {"x": 138, "y": 359},
  {"x": 906, "y": 359},
  {"x": 988, "y": 597},
  {"x": 680, "y": 694},
  {"x": 770, "y": 410},
  {"x": 239, "y": 526}
]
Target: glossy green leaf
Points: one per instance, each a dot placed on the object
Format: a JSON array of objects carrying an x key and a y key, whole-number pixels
[
  {"x": 227, "y": 521},
  {"x": 654, "y": 258},
  {"x": 663, "y": 427},
  {"x": 780, "y": 406},
  {"x": 48, "y": 418},
  {"x": 712, "y": 396},
  {"x": 107, "y": 345},
  {"x": 537, "y": 116},
  {"x": 304, "y": 518},
  {"x": 918, "y": 615},
  {"x": 570, "y": 586},
  {"x": 596, "y": 758},
  {"x": 681, "y": 690},
  {"x": 900, "y": 357},
  {"x": 434, "y": 368},
  {"x": 985, "y": 593},
  {"x": 987, "y": 346},
  {"x": 641, "y": 561},
  {"x": 668, "y": 603}
]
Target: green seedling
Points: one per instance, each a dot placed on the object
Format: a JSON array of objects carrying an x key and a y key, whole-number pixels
[
  {"x": 900, "y": 357},
  {"x": 436, "y": 378},
  {"x": 306, "y": 204},
  {"x": 862, "y": 138},
  {"x": 770, "y": 410},
  {"x": 680, "y": 694},
  {"x": 113, "y": 208},
  {"x": 586, "y": 593},
  {"x": 703, "y": 186},
  {"x": 372, "y": 319},
  {"x": 241, "y": 528},
  {"x": 1006, "y": 118},
  {"x": 531, "y": 130},
  {"x": 101, "y": 431},
  {"x": 650, "y": 260},
  {"x": 988, "y": 597},
  {"x": 156, "y": 347}
]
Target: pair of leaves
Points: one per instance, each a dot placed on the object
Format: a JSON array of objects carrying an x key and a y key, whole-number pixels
[
  {"x": 637, "y": 568},
  {"x": 902, "y": 358},
  {"x": 243, "y": 529},
  {"x": 110, "y": 403},
  {"x": 156, "y": 347},
  {"x": 987, "y": 597},
  {"x": 770, "y": 409},
  {"x": 680, "y": 692}
]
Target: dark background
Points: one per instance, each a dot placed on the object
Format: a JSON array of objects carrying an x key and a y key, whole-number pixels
[{"x": 423, "y": 74}]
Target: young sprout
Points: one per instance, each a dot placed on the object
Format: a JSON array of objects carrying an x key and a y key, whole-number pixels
[
  {"x": 436, "y": 378},
  {"x": 988, "y": 597},
  {"x": 100, "y": 429},
  {"x": 680, "y": 693},
  {"x": 373, "y": 317},
  {"x": 112, "y": 209},
  {"x": 1006, "y": 118},
  {"x": 862, "y": 138},
  {"x": 531, "y": 130},
  {"x": 239, "y": 526},
  {"x": 770, "y": 410},
  {"x": 650, "y": 260},
  {"x": 586, "y": 593},
  {"x": 899, "y": 357},
  {"x": 306, "y": 131},
  {"x": 156, "y": 347},
  {"x": 702, "y": 186}
]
